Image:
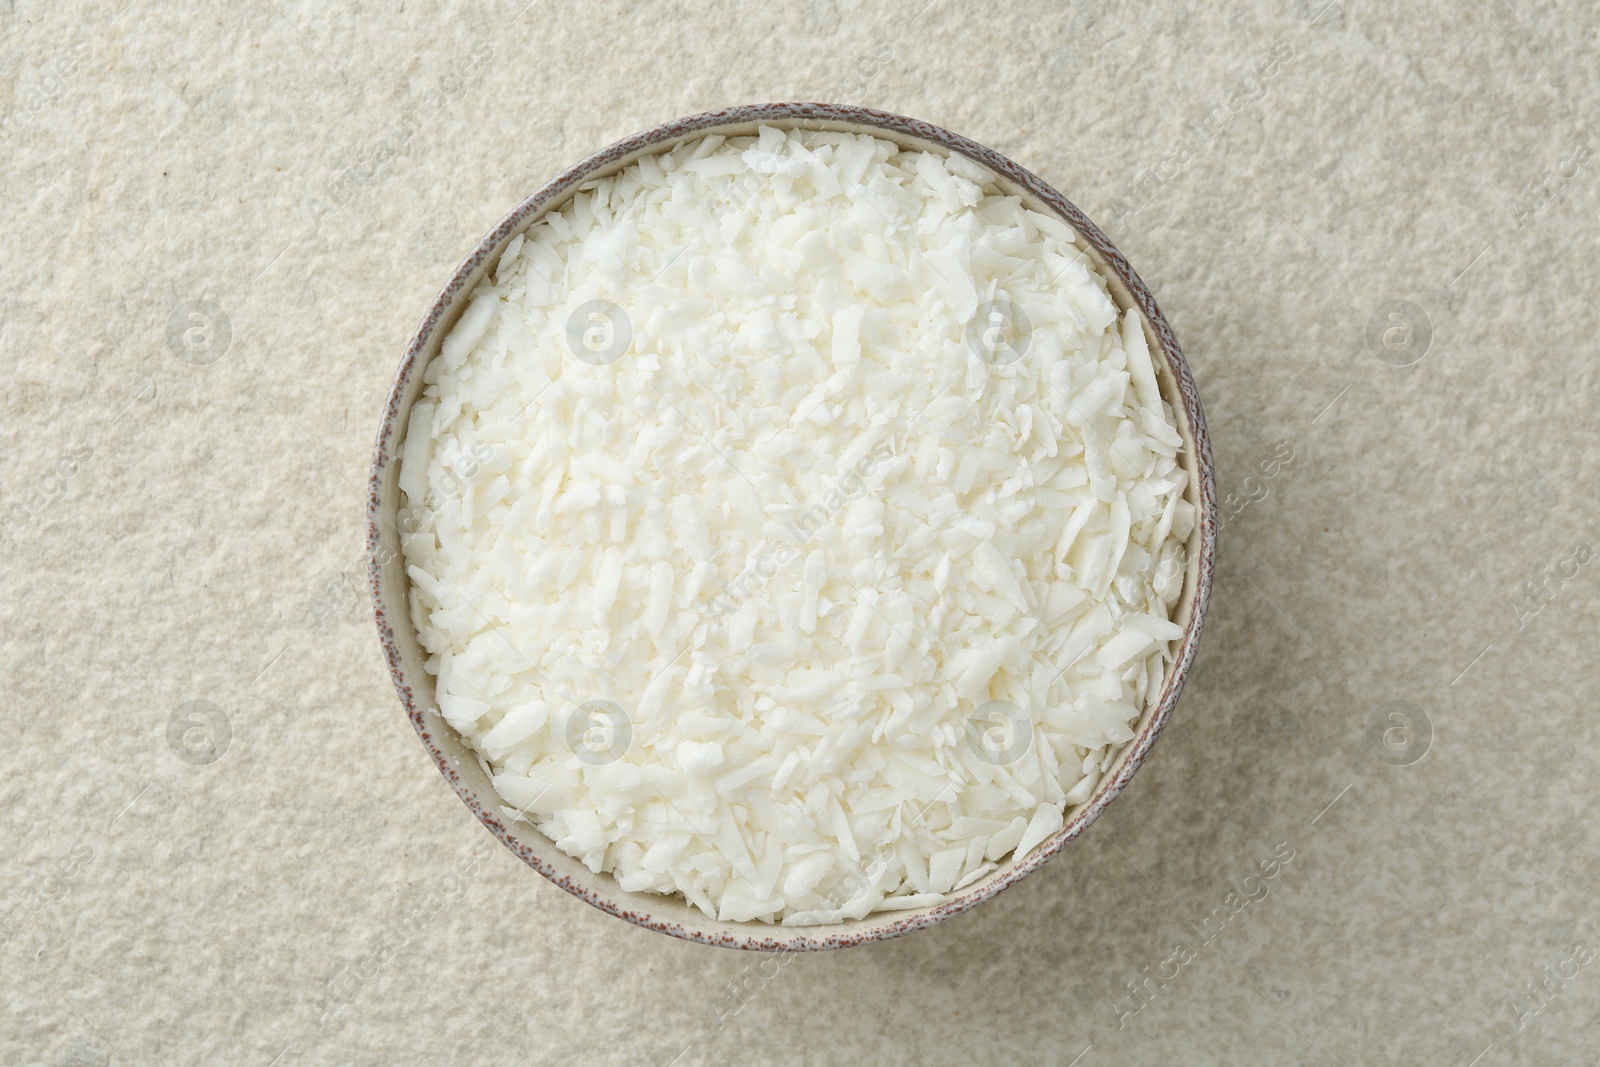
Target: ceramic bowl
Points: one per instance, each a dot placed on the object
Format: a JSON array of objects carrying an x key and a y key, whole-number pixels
[{"x": 391, "y": 590}]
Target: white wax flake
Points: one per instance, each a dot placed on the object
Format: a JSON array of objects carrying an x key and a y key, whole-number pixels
[{"x": 794, "y": 525}]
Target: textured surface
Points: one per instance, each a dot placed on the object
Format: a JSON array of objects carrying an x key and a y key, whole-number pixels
[{"x": 183, "y": 521}]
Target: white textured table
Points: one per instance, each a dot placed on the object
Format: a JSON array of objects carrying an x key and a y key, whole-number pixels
[{"x": 183, "y": 518}]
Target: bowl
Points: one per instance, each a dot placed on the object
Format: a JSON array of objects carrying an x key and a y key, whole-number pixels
[{"x": 390, "y": 586}]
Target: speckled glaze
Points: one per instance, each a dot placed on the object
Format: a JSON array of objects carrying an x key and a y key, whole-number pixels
[{"x": 391, "y": 592}]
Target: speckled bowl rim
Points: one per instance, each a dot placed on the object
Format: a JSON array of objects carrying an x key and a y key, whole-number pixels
[{"x": 637, "y": 907}]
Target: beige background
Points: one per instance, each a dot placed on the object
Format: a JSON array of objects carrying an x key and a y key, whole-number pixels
[{"x": 177, "y": 532}]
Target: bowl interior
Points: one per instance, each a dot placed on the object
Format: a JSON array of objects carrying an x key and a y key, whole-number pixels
[{"x": 391, "y": 587}]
